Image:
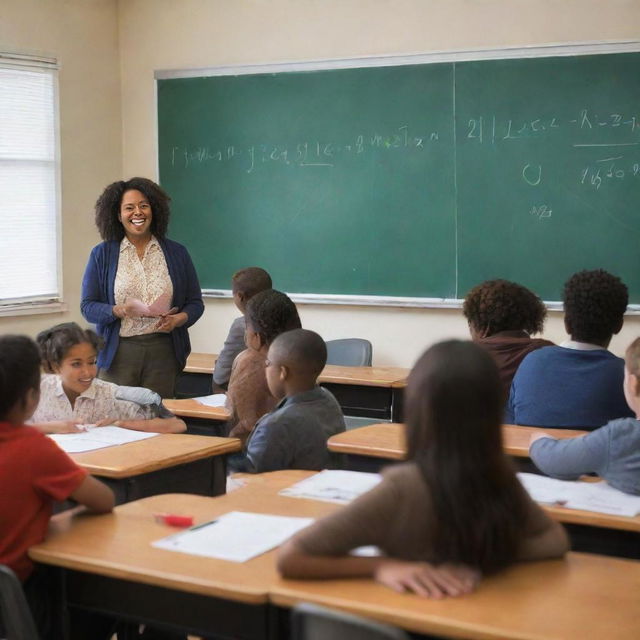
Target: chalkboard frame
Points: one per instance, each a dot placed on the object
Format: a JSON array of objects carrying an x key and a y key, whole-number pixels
[{"x": 549, "y": 50}]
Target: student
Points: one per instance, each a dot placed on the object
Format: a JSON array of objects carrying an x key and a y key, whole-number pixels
[
  {"x": 455, "y": 508},
  {"x": 501, "y": 317},
  {"x": 268, "y": 314},
  {"x": 72, "y": 395},
  {"x": 244, "y": 285},
  {"x": 579, "y": 383},
  {"x": 294, "y": 435},
  {"x": 34, "y": 473},
  {"x": 613, "y": 451}
]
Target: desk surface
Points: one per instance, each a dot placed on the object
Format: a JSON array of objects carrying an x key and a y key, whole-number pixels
[
  {"x": 120, "y": 546},
  {"x": 386, "y": 440},
  {"x": 365, "y": 376},
  {"x": 159, "y": 452},
  {"x": 190, "y": 408},
  {"x": 584, "y": 596}
]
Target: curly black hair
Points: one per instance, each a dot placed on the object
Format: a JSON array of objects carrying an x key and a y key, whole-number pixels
[
  {"x": 501, "y": 305},
  {"x": 19, "y": 371},
  {"x": 54, "y": 343},
  {"x": 594, "y": 305},
  {"x": 270, "y": 313},
  {"x": 108, "y": 208}
]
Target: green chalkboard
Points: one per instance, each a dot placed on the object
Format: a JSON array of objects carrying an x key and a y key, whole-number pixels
[{"x": 411, "y": 181}]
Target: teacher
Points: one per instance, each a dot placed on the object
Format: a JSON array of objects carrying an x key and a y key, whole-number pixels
[{"x": 140, "y": 289}]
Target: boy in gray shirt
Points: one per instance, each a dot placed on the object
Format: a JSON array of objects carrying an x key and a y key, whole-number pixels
[
  {"x": 244, "y": 285},
  {"x": 612, "y": 451},
  {"x": 294, "y": 435}
]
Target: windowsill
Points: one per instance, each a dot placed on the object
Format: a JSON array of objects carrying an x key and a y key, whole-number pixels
[{"x": 32, "y": 308}]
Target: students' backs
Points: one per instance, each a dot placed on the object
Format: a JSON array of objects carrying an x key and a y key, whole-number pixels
[{"x": 563, "y": 387}]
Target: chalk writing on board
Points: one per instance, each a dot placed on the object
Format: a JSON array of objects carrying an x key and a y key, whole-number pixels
[
  {"x": 541, "y": 211},
  {"x": 609, "y": 169}
]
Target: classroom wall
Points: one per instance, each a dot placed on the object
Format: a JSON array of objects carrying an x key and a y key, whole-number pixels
[
  {"x": 83, "y": 36},
  {"x": 109, "y": 49}
]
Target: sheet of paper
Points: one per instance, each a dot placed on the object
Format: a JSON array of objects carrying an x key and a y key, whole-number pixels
[
  {"x": 333, "y": 486},
  {"x": 216, "y": 400},
  {"x": 588, "y": 496},
  {"x": 236, "y": 536},
  {"x": 98, "y": 438}
]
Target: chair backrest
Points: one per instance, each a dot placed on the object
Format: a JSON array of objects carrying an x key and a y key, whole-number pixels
[
  {"x": 349, "y": 352},
  {"x": 15, "y": 616},
  {"x": 311, "y": 622}
]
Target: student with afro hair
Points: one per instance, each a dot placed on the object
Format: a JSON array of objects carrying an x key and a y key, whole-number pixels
[
  {"x": 579, "y": 383},
  {"x": 502, "y": 315}
]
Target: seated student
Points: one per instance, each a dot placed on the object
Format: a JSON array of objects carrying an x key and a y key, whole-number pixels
[
  {"x": 579, "y": 383},
  {"x": 455, "y": 510},
  {"x": 72, "y": 395},
  {"x": 34, "y": 473},
  {"x": 613, "y": 451},
  {"x": 501, "y": 317},
  {"x": 294, "y": 435},
  {"x": 244, "y": 285},
  {"x": 268, "y": 314}
]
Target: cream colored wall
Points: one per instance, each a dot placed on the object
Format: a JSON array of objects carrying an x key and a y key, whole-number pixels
[
  {"x": 179, "y": 34},
  {"x": 165, "y": 34},
  {"x": 83, "y": 36}
]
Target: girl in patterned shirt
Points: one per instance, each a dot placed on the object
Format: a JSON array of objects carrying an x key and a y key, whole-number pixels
[{"x": 71, "y": 395}]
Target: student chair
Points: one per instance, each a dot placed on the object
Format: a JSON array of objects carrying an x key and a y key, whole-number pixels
[
  {"x": 349, "y": 352},
  {"x": 311, "y": 622},
  {"x": 15, "y": 616}
]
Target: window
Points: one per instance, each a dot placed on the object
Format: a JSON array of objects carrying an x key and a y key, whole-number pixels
[{"x": 29, "y": 184}]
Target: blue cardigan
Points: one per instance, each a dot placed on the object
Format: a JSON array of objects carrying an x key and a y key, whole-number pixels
[{"x": 98, "y": 296}]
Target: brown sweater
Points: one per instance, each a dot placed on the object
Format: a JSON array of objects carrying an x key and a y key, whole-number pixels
[
  {"x": 248, "y": 393},
  {"x": 509, "y": 349},
  {"x": 395, "y": 516}
]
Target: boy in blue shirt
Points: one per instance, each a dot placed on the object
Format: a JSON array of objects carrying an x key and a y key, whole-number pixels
[
  {"x": 613, "y": 451},
  {"x": 579, "y": 383},
  {"x": 294, "y": 435}
]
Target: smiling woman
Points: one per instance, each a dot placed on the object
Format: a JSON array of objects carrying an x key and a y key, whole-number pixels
[{"x": 140, "y": 289}]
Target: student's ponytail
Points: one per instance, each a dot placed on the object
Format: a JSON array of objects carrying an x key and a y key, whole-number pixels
[{"x": 19, "y": 371}]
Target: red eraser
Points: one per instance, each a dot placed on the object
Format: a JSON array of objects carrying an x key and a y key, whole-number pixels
[{"x": 174, "y": 520}]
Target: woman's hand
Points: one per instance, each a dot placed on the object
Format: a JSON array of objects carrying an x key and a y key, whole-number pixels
[
  {"x": 427, "y": 580},
  {"x": 59, "y": 426},
  {"x": 170, "y": 321}
]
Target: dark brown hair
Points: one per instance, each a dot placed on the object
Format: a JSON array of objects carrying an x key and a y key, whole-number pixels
[
  {"x": 19, "y": 371},
  {"x": 594, "y": 305},
  {"x": 270, "y": 313},
  {"x": 108, "y": 208},
  {"x": 250, "y": 281},
  {"x": 501, "y": 305},
  {"x": 454, "y": 406},
  {"x": 55, "y": 343}
]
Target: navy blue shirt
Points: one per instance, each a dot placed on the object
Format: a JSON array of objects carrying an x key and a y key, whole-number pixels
[{"x": 569, "y": 388}]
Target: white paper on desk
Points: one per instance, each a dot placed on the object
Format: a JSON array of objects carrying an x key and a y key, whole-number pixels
[
  {"x": 588, "y": 496},
  {"x": 98, "y": 438},
  {"x": 237, "y": 536},
  {"x": 333, "y": 486},
  {"x": 216, "y": 400}
]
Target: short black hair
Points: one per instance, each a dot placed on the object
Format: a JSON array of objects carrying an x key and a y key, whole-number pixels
[
  {"x": 594, "y": 305},
  {"x": 108, "y": 208},
  {"x": 54, "y": 343},
  {"x": 270, "y": 313},
  {"x": 501, "y": 305},
  {"x": 302, "y": 350},
  {"x": 250, "y": 280},
  {"x": 19, "y": 370}
]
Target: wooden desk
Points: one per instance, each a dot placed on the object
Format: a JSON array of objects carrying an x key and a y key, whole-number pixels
[
  {"x": 386, "y": 440},
  {"x": 581, "y": 597},
  {"x": 200, "y": 419},
  {"x": 119, "y": 571},
  {"x": 552, "y": 600},
  {"x": 168, "y": 462},
  {"x": 374, "y": 392}
]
